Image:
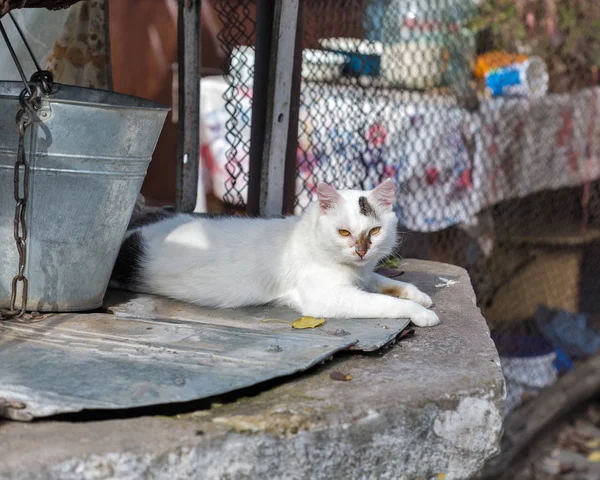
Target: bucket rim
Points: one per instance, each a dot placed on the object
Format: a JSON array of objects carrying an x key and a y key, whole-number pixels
[{"x": 85, "y": 96}]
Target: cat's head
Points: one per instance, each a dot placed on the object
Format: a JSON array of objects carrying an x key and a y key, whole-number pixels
[{"x": 357, "y": 227}]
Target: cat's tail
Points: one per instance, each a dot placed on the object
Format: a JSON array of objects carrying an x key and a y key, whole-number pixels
[{"x": 127, "y": 272}]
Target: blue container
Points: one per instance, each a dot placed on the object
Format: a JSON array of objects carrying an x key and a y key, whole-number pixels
[
  {"x": 526, "y": 79},
  {"x": 363, "y": 64},
  {"x": 499, "y": 81}
]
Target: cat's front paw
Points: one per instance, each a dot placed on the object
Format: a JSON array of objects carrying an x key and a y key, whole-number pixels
[
  {"x": 424, "y": 318},
  {"x": 408, "y": 291},
  {"x": 422, "y": 298},
  {"x": 416, "y": 295}
]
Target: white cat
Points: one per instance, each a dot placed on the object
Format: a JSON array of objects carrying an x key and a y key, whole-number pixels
[{"x": 320, "y": 264}]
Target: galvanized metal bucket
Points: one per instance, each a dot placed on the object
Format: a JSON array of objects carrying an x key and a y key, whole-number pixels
[{"x": 88, "y": 153}]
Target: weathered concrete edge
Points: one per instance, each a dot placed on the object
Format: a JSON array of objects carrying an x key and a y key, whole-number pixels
[{"x": 372, "y": 445}]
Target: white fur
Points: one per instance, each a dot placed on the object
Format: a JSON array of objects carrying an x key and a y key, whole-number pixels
[{"x": 300, "y": 262}]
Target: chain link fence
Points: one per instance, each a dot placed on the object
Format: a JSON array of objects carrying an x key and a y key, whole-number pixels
[
  {"x": 501, "y": 180},
  {"x": 237, "y": 38}
]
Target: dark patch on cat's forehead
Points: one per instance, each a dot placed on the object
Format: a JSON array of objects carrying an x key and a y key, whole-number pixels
[{"x": 366, "y": 208}]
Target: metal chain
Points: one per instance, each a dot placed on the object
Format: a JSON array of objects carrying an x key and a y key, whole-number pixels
[
  {"x": 42, "y": 82},
  {"x": 24, "y": 119}
]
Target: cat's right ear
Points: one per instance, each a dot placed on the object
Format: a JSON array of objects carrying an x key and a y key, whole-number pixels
[
  {"x": 384, "y": 194},
  {"x": 328, "y": 198}
]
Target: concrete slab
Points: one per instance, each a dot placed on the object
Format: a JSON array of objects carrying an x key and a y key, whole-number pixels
[{"x": 430, "y": 405}]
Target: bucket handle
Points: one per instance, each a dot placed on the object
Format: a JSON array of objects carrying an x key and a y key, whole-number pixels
[{"x": 42, "y": 77}]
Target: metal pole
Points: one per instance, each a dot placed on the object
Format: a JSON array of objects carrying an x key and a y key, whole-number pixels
[
  {"x": 291, "y": 154},
  {"x": 188, "y": 157},
  {"x": 279, "y": 97},
  {"x": 264, "y": 30}
]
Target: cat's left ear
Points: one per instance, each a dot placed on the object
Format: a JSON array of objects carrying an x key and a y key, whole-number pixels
[
  {"x": 384, "y": 195},
  {"x": 328, "y": 197}
]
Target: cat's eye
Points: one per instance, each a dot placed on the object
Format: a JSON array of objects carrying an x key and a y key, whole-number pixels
[
  {"x": 344, "y": 233},
  {"x": 375, "y": 231}
]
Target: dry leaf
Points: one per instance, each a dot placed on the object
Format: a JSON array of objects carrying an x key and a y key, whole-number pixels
[
  {"x": 342, "y": 377},
  {"x": 441, "y": 476},
  {"x": 390, "y": 262},
  {"x": 308, "y": 322},
  {"x": 594, "y": 457},
  {"x": 591, "y": 444},
  {"x": 388, "y": 272},
  {"x": 406, "y": 333}
]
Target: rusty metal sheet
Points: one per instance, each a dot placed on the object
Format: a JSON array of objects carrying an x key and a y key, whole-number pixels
[{"x": 150, "y": 351}]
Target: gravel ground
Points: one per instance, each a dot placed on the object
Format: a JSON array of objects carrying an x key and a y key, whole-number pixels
[{"x": 569, "y": 450}]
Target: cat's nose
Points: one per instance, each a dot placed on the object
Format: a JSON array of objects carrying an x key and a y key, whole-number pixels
[{"x": 361, "y": 251}]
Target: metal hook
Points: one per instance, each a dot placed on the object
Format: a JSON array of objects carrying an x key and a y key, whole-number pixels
[{"x": 45, "y": 78}]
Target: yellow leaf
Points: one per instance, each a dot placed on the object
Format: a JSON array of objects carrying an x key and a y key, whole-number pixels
[
  {"x": 308, "y": 322},
  {"x": 594, "y": 456},
  {"x": 441, "y": 476},
  {"x": 595, "y": 443}
]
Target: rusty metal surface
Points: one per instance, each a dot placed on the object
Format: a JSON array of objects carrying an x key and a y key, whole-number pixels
[
  {"x": 152, "y": 351},
  {"x": 188, "y": 150},
  {"x": 279, "y": 99}
]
